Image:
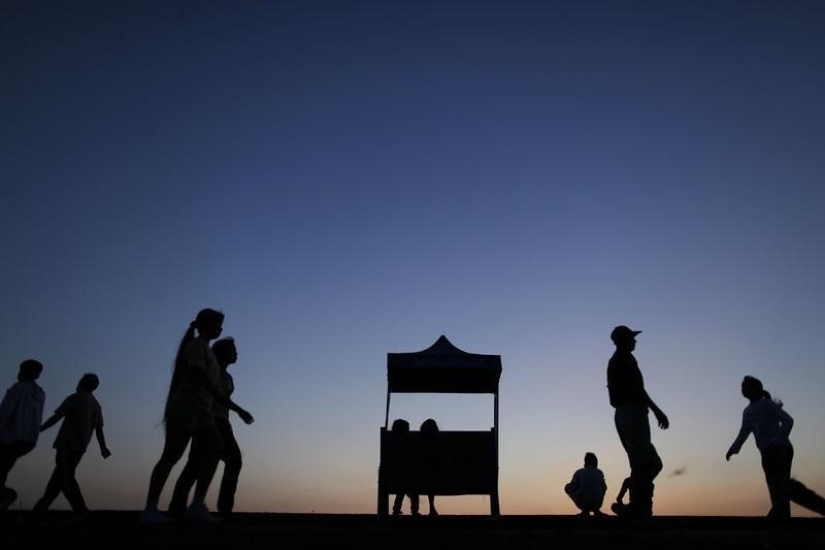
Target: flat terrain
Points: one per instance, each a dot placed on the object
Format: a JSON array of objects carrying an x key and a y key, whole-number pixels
[{"x": 116, "y": 530}]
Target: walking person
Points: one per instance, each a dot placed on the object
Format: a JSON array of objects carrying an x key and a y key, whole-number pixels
[
  {"x": 20, "y": 415},
  {"x": 626, "y": 390},
  {"x": 771, "y": 426},
  {"x": 226, "y": 354},
  {"x": 82, "y": 415},
  {"x": 188, "y": 413}
]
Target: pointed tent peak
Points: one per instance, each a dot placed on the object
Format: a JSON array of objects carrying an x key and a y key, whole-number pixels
[
  {"x": 443, "y": 346},
  {"x": 443, "y": 368}
]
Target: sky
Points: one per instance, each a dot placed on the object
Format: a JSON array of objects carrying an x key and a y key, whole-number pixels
[{"x": 350, "y": 179}]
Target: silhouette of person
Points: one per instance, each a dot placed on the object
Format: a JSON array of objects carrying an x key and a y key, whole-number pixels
[
  {"x": 619, "y": 507},
  {"x": 587, "y": 487},
  {"x": 631, "y": 401},
  {"x": 429, "y": 458},
  {"x": 403, "y": 467},
  {"x": 20, "y": 415},
  {"x": 188, "y": 413},
  {"x": 226, "y": 354},
  {"x": 82, "y": 415},
  {"x": 771, "y": 426}
]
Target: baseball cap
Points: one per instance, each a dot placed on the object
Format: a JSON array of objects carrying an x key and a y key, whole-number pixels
[{"x": 623, "y": 332}]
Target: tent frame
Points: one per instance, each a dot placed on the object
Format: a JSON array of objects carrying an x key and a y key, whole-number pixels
[{"x": 443, "y": 368}]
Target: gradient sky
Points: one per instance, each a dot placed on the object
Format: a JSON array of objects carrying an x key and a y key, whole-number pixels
[{"x": 348, "y": 179}]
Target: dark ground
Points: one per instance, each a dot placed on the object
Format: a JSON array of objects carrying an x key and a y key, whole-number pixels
[{"x": 116, "y": 530}]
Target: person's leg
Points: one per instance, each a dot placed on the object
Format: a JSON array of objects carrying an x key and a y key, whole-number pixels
[
  {"x": 431, "y": 499},
  {"x": 645, "y": 462},
  {"x": 805, "y": 497},
  {"x": 71, "y": 489},
  {"x": 9, "y": 453},
  {"x": 568, "y": 489},
  {"x": 53, "y": 487},
  {"x": 7, "y": 459},
  {"x": 233, "y": 461},
  {"x": 414, "y": 502},
  {"x": 177, "y": 438},
  {"x": 186, "y": 479},
  {"x": 209, "y": 449},
  {"x": 396, "y": 505},
  {"x": 772, "y": 466},
  {"x": 785, "y": 461}
]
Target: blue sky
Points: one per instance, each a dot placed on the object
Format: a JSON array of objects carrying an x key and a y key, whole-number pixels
[{"x": 346, "y": 180}]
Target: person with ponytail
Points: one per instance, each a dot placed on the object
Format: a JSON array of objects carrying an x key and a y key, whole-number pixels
[
  {"x": 771, "y": 426},
  {"x": 188, "y": 414}
]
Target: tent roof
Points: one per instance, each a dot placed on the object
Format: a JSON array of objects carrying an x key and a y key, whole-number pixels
[{"x": 443, "y": 368}]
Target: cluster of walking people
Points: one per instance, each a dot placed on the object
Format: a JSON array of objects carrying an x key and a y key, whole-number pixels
[
  {"x": 199, "y": 401},
  {"x": 196, "y": 415}
]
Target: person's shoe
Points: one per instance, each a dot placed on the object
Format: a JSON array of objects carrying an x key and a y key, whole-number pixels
[
  {"x": 433, "y": 512},
  {"x": 620, "y": 509},
  {"x": 7, "y": 498},
  {"x": 199, "y": 513},
  {"x": 176, "y": 509},
  {"x": 598, "y": 514},
  {"x": 397, "y": 512},
  {"x": 153, "y": 517}
]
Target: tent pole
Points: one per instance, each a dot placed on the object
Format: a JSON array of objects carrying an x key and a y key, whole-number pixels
[{"x": 387, "y": 414}]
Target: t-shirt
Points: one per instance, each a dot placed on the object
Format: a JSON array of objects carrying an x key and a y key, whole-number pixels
[
  {"x": 226, "y": 386},
  {"x": 197, "y": 354},
  {"x": 588, "y": 485},
  {"x": 21, "y": 412},
  {"x": 768, "y": 421},
  {"x": 81, "y": 415},
  {"x": 624, "y": 380}
]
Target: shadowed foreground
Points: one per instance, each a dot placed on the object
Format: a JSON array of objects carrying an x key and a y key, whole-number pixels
[{"x": 285, "y": 531}]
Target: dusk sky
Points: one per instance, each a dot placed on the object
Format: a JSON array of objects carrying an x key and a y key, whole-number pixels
[{"x": 346, "y": 179}]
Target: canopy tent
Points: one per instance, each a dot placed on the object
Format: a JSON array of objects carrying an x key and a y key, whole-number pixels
[
  {"x": 442, "y": 368},
  {"x": 470, "y": 459}
]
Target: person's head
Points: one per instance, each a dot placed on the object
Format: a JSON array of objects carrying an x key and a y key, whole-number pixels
[
  {"x": 88, "y": 382},
  {"x": 624, "y": 338},
  {"x": 30, "y": 369},
  {"x": 752, "y": 389},
  {"x": 429, "y": 425},
  {"x": 400, "y": 425},
  {"x": 591, "y": 460},
  {"x": 209, "y": 323},
  {"x": 225, "y": 351}
]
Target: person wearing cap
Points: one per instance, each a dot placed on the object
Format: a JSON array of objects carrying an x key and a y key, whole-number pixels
[{"x": 626, "y": 390}]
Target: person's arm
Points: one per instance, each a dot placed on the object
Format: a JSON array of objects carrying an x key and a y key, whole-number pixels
[
  {"x": 59, "y": 413},
  {"x": 787, "y": 422},
  {"x": 200, "y": 374},
  {"x": 661, "y": 418},
  {"x": 53, "y": 419},
  {"x": 744, "y": 432},
  {"x": 101, "y": 440},
  {"x": 8, "y": 406}
]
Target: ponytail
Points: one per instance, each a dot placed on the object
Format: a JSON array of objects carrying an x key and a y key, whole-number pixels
[{"x": 179, "y": 366}]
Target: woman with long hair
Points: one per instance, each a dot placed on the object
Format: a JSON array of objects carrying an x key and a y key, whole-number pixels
[{"x": 188, "y": 414}]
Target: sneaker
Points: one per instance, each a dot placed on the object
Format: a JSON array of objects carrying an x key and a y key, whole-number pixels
[
  {"x": 199, "y": 513},
  {"x": 7, "y": 498},
  {"x": 620, "y": 509},
  {"x": 153, "y": 517}
]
